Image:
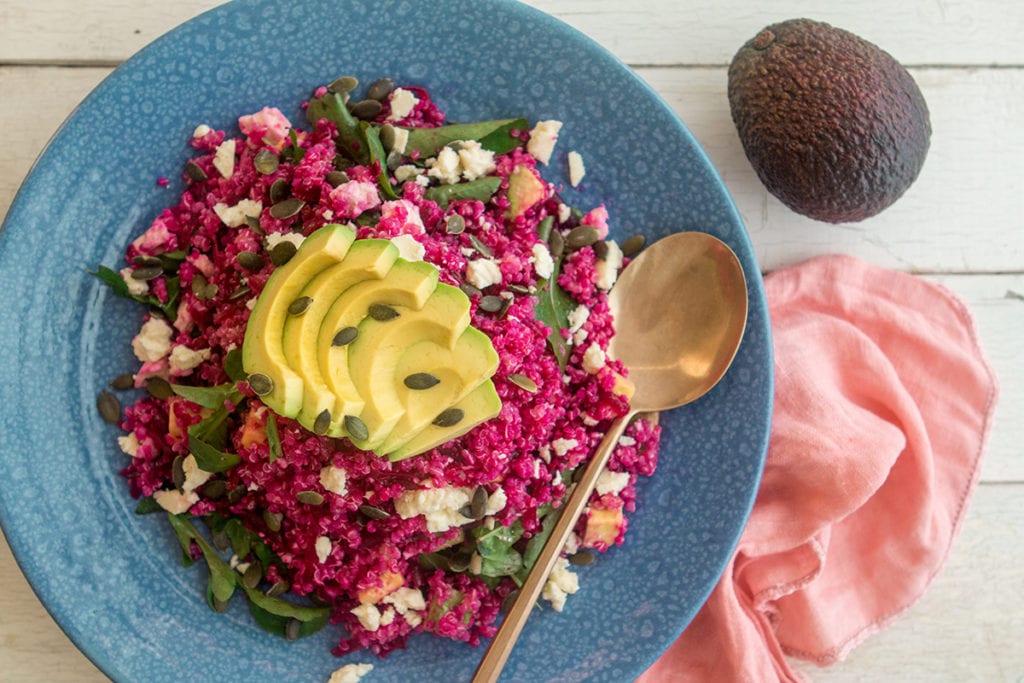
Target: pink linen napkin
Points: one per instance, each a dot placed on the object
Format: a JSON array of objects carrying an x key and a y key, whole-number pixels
[{"x": 882, "y": 406}]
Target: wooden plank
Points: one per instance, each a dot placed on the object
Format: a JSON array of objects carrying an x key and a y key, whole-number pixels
[
  {"x": 984, "y": 32},
  {"x": 969, "y": 185}
]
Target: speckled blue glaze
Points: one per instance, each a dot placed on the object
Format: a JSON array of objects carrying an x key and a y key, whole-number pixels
[{"x": 110, "y": 578}]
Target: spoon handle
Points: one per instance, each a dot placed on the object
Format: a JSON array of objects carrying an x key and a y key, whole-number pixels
[{"x": 500, "y": 648}]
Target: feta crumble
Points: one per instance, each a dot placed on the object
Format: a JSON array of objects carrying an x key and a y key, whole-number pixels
[
  {"x": 350, "y": 673},
  {"x": 275, "y": 238},
  {"x": 563, "y": 446},
  {"x": 153, "y": 342},
  {"x": 543, "y": 264},
  {"x": 483, "y": 272},
  {"x": 399, "y": 140},
  {"x": 323, "y": 548},
  {"x": 611, "y": 482},
  {"x": 368, "y": 616},
  {"x": 201, "y": 131},
  {"x": 445, "y": 166},
  {"x": 608, "y": 267},
  {"x": 542, "y": 140},
  {"x": 576, "y": 168},
  {"x": 475, "y": 161},
  {"x": 561, "y": 583},
  {"x": 578, "y": 317},
  {"x": 440, "y": 507},
  {"x": 184, "y": 359},
  {"x": 234, "y": 216},
  {"x": 409, "y": 248},
  {"x": 176, "y": 502},
  {"x": 224, "y": 158},
  {"x": 194, "y": 475},
  {"x": 402, "y": 104},
  {"x": 135, "y": 287},
  {"x": 593, "y": 359},
  {"x": 334, "y": 479},
  {"x": 407, "y": 172},
  {"x": 129, "y": 444}
]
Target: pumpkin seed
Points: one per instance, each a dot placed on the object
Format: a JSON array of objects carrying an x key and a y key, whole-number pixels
[
  {"x": 394, "y": 160},
  {"x": 470, "y": 290},
  {"x": 344, "y": 84},
  {"x": 143, "y": 260},
  {"x": 235, "y": 494},
  {"x": 380, "y": 89},
  {"x": 178, "y": 472},
  {"x": 219, "y": 606},
  {"x": 300, "y": 305},
  {"x": 147, "y": 273},
  {"x": 449, "y": 417},
  {"x": 158, "y": 387},
  {"x": 556, "y": 243},
  {"x": 478, "y": 506},
  {"x": 293, "y": 630},
  {"x": 286, "y": 208},
  {"x": 220, "y": 540},
  {"x": 387, "y": 136},
  {"x": 346, "y": 335},
  {"x": 374, "y": 512},
  {"x": 520, "y": 289},
  {"x": 194, "y": 172},
  {"x": 249, "y": 260},
  {"x": 523, "y": 382},
  {"x": 279, "y": 588},
  {"x": 460, "y": 562},
  {"x": 480, "y": 246},
  {"x": 421, "y": 380},
  {"x": 322, "y": 423},
  {"x": 356, "y": 428},
  {"x": 279, "y": 189},
  {"x": 215, "y": 489},
  {"x": 260, "y": 384},
  {"x": 366, "y": 110},
  {"x": 544, "y": 229},
  {"x": 509, "y": 600},
  {"x": 382, "y": 312},
  {"x": 336, "y": 178},
  {"x": 633, "y": 245},
  {"x": 109, "y": 407},
  {"x": 203, "y": 290},
  {"x": 430, "y": 561},
  {"x": 266, "y": 162},
  {"x": 272, "y": 520},
  {"x": 506, "y": 303},
  {"x": 309, "y": 497},
  {"x": 243, "y": 290},
  {"x": 253, "y": 575},
  {"x": 123, "y": 382},
  {"x": 581, "y": 559},
  {"x": 601, "y": 250},
  {"x": 282, "y": 253},
  {"x": 455, "y": 224},
  {"x": 581, "y": 236},
  {"x": 492, "y": 304},
  {"x": 254, "y": 224}
]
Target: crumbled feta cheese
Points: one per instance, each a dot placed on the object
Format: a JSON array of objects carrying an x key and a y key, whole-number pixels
[
  {"x": 589, "y": 421},
  {"x": 194, "y": 476},
  {"x": 545, "y": 453},
  {"x": 440, "y": 507},
  {"x": 129, "y": 444},
  {"x": 242, "y": 567},
  {"x": 572, "y": 544},
  {"x": 414, "y": 619},
  {"x": 353, "y": 198},
  {"x": 405, "y": 599},
  {"x": 399, "y": 140},
  {"x": 578, "y": 317},
  {"x": 496, "y": 502},
  {"x": 402, "y": 104},
  {"x": 579, "y": 337},
  {"x": 627, "y": 441},
  {"x": 611, "y": 482},
  {"x": 564, "y": 213},
  {"x": 543, "y": 264},
  {"x": 542, "y": 140},
  {"x": 224, "y": 158},
  {"x": 275, "y": 238},
  {"x": 407, "y": 172},
  {"x": 563, "y": 446},
  {"x": 135, "y": 287},
  {"x": 576, "y": 169},
  {"x": 234, "y": 216},
  {"x": 368, "y": 615},
  {"x": 387, "y": 616},
  {"x": 474, "y": 160},
  {"x": 350, "y": 673},
  {"x": 176, "y": 502},
  {"x": 422, "y": 180},
  {"x": 445, "y": 166},
  {"x": 483, "y": 272},
  {"x": 593, "y": 359},
  {"x": 409, "y": 248},
  {"x": 153, "y": 342},
  {"x": 334, "y": 479},
  {"x": 476, "y": 564},
  {"x": 561, "y": 583},
  {"x": 201, "y": 131},
  {"x": 608, "y": 267},
  {"x": 323, "y": 547},
  {"x": 251, "y": 303},
  {"x": 184, "y": 359}
]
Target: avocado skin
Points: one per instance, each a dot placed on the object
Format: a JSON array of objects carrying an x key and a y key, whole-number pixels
[{"x": 835, "y": 127}]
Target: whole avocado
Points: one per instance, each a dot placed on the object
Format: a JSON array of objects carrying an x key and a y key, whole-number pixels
[{"x": 834, "y": 126}]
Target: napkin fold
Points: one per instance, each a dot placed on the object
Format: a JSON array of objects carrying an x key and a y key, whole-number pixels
[{"x": 882, "y": 406}]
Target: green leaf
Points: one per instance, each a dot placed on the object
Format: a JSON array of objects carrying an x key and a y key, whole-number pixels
[
  {"x": 233, "y": 365},
  {"x": 112, "y": 279},
  {"x": 492, "y": 135},
  {"x": 481, "y": 189},
  {"x": 209, "y": 458},
  {"x": 118, "y": 286},
  {"x": 506, "y": 564},
  {"x": 240, "y": 537},
  {"x": 282, "y": 608},
  {"x": 184, "y": 537},
  {"x": 147, "y": 506},
  {"x": 278, "y": 625},
  {"x": 208, "y": 397},
  {"x": 536, "y": 544},
  {"x": 273, "y": 437},
  {"x": 212, "y": 429},
  {"x": 223, "y": 578},
  {"x": 371, "y": 135},
  {"x": 332, "y": 107},
  {"x": 552, "y": 309}
]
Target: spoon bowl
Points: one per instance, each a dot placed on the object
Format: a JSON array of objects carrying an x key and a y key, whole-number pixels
[{"x": 680, "y": 311}]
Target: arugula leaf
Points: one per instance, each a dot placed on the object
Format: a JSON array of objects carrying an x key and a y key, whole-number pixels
[
  {"x": 375, "y": 148},
  {"x": 498, "y": 556},
  {"x": 223, "y": 579},
  {"x": 147, "y": 506},
  {"x": 233, "y": 365},
  {"x": 209, "y": 458},
  {"x": 481, "y": 189},
  {"x": 493, "y": 135},
  {"x": 282, "y": 608},
  {"x": 208, "y": 397},
  {"x": 112, "y": 278},
  {"x": 552, "y": 309},
  {"x": 536, "y": 544}
]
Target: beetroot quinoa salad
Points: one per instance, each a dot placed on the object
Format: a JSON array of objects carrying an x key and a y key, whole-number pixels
[{"x": 307, "y": 528}]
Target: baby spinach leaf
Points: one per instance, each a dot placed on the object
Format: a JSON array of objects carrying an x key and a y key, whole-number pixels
[
  {"x": 481, "y": 189},
  {"x": 240, "y": 537},
  {"x": 223, "y": 578},
  {"x": 209, "y": 458},
  {"x": 282, "y": 608},
  {"x": 147, "y": 506},
  {"x": 375, "y": 148},
  {"x": 493, "y": 135},
  {"x": 536, "y": 544},
  {"x": 498, "y": 557},
  {"x": 552, "y": 309},
  {"x": 233, "y": 365},
  {"x": 208, "y": 397},
  {"x": 184, "y": 538}
]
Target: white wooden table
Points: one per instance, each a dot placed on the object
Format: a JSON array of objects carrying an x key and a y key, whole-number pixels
[{"x": 961, "y": 224}]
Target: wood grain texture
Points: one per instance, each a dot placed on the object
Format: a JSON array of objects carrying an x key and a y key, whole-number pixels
[{"x": 961, "y": 225}]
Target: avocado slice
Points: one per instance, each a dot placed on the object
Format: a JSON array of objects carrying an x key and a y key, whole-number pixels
[
  {"x": 374, "y": 356},
  {"x": 408, "y": 284},
  {"x": 262, "y": 348},
  {"x": 366, "y": 260},
  {"x": 460, "y": 370},
  {"x": 481, "y": 404}
]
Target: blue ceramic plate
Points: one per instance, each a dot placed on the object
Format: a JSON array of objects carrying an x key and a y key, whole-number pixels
[{"x": 111, "y": 579}]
